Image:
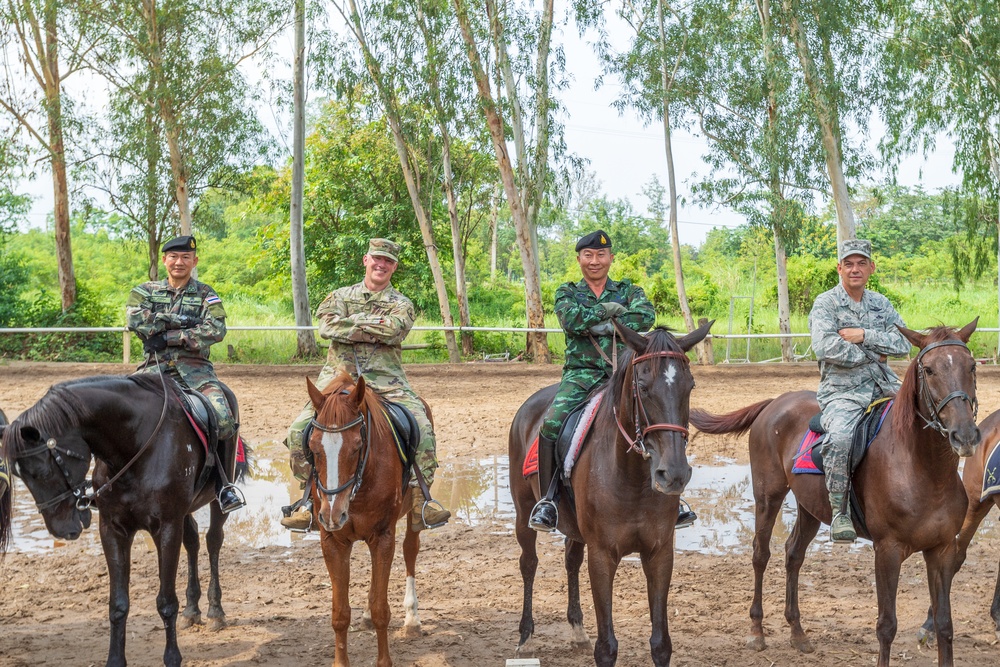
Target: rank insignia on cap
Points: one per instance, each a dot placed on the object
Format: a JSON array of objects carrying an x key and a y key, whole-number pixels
[
  {"x": 180, "y": 244},
  {"x": 595, "y": 240}
]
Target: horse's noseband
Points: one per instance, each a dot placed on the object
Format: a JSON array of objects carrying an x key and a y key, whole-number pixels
[
  {"x": 639, "y": 415},
  {"x": 359, "y": 471},
  {"x": 935, "y": 407}
]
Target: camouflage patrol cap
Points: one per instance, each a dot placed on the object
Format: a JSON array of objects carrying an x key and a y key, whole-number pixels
[
  {"x": 180, "y": 244},
  {"x": 850, "y": 247},
  {"x": 595, "y": 240},
  {"x": 384, "y": 248}
]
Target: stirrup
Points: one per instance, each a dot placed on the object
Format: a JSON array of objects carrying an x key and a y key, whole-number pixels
[
  {"x": 685, "y": 515},
  {"x": 423, "y": 516},
  {"x": 843, "y": 534},
  {"x": 539, "y": 507},
  {"x": 291, "y": 512},
  {"x": 241, "y": 500}
]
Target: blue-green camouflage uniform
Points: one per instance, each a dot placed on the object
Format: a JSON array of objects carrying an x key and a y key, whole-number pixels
[
  {"x": 366, "y": 331},
  {"x": 850, "y": 374},
  {"x": 578, "y": 310},
  {"x": 155, "y": 307}
]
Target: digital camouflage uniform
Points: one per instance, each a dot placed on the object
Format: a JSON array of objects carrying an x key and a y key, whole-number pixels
[
  {"x": 585, "y": 368},
  {"x": 366, "y": 331},
  {"x": 155, "y": 307},
  {"x": 850, "y": 374}
]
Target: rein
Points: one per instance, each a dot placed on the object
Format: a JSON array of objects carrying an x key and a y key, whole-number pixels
[
  {"x": 359, "y": 471},
  {"x": 935, "y": 421},
  {"x": 639, "y": 415}
]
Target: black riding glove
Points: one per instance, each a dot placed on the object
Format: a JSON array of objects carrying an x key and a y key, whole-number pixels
[
  {"x": 188, "y": 322},
  {"x": 612, "y": 309},
  {"x": 155, "y": 343},
  {"x": 602, "y": 329}
]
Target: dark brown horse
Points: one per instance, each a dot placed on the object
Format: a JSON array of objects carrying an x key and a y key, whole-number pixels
[
  {"x": 908, "y": 484},
  {"x": 625, "y": 487},
  {"x": 358, "y": 495},
  {"x": 140, "y": 439},
  {"x": 972, "y": 477}
]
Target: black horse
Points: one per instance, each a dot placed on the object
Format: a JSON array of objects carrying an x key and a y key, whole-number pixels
[{"x": 147, "y": 476}]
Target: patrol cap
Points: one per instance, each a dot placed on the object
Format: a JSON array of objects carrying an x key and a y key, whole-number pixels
[
  {"x": 384, "y": 248},
  {"x": 595, "y": 240},
  {"x": 180, "y": 244},
  {"x": 855, "y": 247}
]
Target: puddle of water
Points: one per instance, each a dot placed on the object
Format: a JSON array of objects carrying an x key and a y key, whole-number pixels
[{"x": 477, "y": 493}]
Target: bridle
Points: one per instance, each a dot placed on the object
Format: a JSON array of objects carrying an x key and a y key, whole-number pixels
[
  {"x": 359, "y": 471},
  {"x": 639, "y": 416},
  {"x": 935, "y": 409}
]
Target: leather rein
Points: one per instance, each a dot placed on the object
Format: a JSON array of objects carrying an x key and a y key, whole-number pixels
[
  {"x": 639, "y": 415},
  {"x": 355, "y": 481},
  {"x": 935, "y": 408}
]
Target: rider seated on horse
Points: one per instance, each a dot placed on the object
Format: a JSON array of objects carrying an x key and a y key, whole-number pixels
[
  {"x": 585, "y": 309},
  {"x": 853, "y": 332},
  {"x": 366, "y": 324},
  {"x": 178, "y": 320}
]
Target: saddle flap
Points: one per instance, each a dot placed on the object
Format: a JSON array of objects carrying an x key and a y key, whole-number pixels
[
  {"x": 406, "y": 432},
  {"x": 202, "y": 413},
  {"x": 991, "y": 472}
]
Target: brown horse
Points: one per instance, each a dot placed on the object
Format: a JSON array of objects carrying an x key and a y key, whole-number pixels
[
  {"x": 907, "y": 485},
  {"x": 625, "y": 488},
  {"x": 353, "y": 501},
  {"x": 972, "y": 476}
]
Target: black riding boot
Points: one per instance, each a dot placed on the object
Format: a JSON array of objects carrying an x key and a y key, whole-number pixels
[
  {"x": 229, "y": 497},
  {"x": 544, "y": 515}
]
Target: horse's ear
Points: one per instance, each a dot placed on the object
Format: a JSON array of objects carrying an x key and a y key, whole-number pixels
[
  {"x": 634, "y": 340},
  {"x": 358, "y": 395},
  {"x": 695, "y": 337},
  {"x": 30, "y": 434},
  {"x": 965, "y": 333},
  {"x": 918, "y": 339},
  {"x": 315, "y": 395}
]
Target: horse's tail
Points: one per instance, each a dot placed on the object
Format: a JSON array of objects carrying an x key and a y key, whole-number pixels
[
  {"x": 738, "y": 422},
  {"x": 243, "y": 467}
]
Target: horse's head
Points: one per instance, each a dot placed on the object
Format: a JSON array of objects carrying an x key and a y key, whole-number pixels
[
  {"x": 54, "y": 468},
  {"x": 652, "y": 399},
  {"x": 339, "y": 443},
  {"x": 940, "y": 385}
]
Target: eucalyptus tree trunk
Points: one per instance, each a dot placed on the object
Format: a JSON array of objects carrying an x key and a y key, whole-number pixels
[
  {"x": 826, "y": 115},
  {"x": 494, "y": 215},
  {"x": 152, "y": 154},
  {"x": 306, "y": 341}
]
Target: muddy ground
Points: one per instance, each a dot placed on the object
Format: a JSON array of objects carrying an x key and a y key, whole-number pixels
[{"x": 53, "y": 601}]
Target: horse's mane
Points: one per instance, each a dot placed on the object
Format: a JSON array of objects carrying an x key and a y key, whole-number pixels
[
  {"x": 907, "y": 401},
  {"x": 336, "y": 411},
  {"x": 661, "y": 339}
]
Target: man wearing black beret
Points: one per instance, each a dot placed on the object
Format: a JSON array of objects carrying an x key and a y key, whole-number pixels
[{"x": 178, "y": 320}]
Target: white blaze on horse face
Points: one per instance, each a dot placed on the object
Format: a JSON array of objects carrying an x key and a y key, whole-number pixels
[
  {"x": 332, "y": 442},
  {"x": 670, "y": 374}
]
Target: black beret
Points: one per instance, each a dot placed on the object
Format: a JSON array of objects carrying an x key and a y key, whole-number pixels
[
  {"x": 180, "y": 244},
  {"x": 595, "y": 240}
]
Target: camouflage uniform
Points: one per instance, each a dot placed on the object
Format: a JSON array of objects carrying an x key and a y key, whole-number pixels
[
  {"x": 366, "y": 330},
  {"x": 155, "y": 307},
  {"x": 585, "y": 368},
  {"x": 850, "y": 375}
]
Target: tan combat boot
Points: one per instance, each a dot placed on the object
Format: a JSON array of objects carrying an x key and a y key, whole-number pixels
[
  {"x": 424, "y": 515},
  {"x": 841, "y": 526}
]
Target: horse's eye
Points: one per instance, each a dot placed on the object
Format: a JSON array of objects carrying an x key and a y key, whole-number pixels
[{"x": 928, "y": 370}]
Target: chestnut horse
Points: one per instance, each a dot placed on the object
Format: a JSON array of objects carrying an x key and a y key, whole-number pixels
[
  {"x": 625, "y": 487},
  {"x": 907, "y": 485},
  {"x": 354, "y": 501}
]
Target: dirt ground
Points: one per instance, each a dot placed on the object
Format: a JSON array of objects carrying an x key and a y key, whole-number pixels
[{"x": 53, "y": 603}]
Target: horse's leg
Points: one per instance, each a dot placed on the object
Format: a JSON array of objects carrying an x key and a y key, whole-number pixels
[
  {"x": 337, "y": 556},
  {"x": 382, "y": 547},
  {"x": 574, "y": 613},
  {"x": 658, "y": 569},
  {"x": 995, "y": 607},
  {"x": 888, "y": 559},
  {"x": 213, "y": 540},
  {"x": 766, "y": 509},
  {"x": 411, "y": 547},
  {"x": 191, "y": 614},
  {"x": 806, "y": 527},
  {"x": 940, "y": 571},
  {"x": 526, "y": 538},
  {"x": 118, "y": 554},
  {"x": 168, "y": 547},
  {"x": 602, "y": 566}
]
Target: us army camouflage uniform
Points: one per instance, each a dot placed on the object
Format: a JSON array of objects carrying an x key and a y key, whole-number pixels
[
  {"x": 584, "y": 368},
  {"x": 155, "y": 307},
  {"x": 366, "y": 331},
  {"x": 850, "y": 375}
]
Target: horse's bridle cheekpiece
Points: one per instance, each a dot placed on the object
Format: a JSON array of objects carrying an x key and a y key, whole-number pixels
[
  {"x": 359, "y": 471},
  {"x": 935, "y": 409},
  {"x": 639, "y": 415}
]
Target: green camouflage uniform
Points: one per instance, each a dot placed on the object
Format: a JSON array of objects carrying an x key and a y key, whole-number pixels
[
  {"x": 366, "y": 331},
  {"x": 850, "y": 374},
  {"x": 155, "y": 307},
  {"x": 585, "y": 368}
]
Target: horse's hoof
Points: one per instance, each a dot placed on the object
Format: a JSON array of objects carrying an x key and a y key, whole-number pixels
[
  {"x": 186, "y": 621},
  {"x": 216, "y": 624},
  {"x": 998, "y": 634},
  {"x": 525, "y": 650},
  {"x": 925, "y": 638},
  {"x": 412, "y": 631},
  {"x": 579, "y": 638},
  {"x": 802, "y": 644},
  {"x": 757, "y": 643}
]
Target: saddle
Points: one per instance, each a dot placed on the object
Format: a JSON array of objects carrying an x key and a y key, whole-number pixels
[
  {"x": 991, "y": 473},
  {"x": 569, "y": 443},
  {"x": 205, "y": 421}
]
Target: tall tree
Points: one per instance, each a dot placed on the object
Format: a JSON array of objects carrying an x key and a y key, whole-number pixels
[{"x": 37, "y": 30}]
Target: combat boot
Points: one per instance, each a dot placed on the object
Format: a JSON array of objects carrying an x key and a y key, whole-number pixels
[
  {"x": 424, "y": 514},
  {"x": 545, "y": 514},
  {"x": 685, "y": 515},
  {"x": 298, "y": 516},
  {"x": 841, "y": 526}
]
